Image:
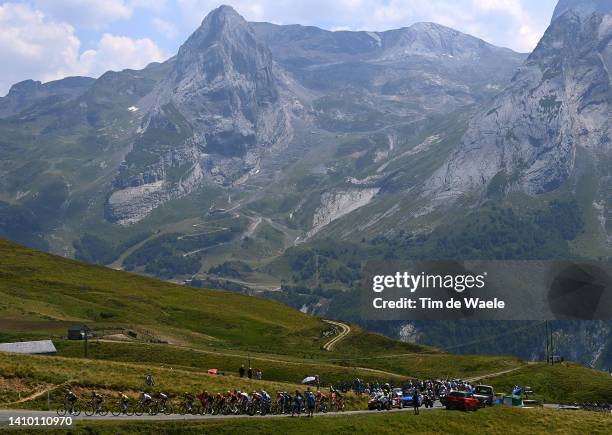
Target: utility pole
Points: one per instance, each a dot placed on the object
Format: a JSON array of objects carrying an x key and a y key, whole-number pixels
[
  {"x": 316, "y": 270},
  {"x": 546, "y": 335},
  {"x": 552, "y": 347},
  {"x": 85, "y": 334}
]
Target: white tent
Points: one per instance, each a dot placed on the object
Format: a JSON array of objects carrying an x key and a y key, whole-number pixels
[{"x": 30, "y": 347}]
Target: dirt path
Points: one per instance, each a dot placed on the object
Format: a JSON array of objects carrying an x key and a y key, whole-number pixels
[
  {"x": 344, "y": 331},
  {"x": 39, "y": 393},
  {"x": 492, "y": 375}
]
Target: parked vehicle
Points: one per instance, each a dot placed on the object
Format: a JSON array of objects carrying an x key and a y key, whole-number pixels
[
  {"x": 485, "y": 394},
  {"x": 397, "y": 398},
  {"x": 462, "y": 400}
]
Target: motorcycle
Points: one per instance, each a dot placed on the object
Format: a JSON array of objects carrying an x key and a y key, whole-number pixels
[
  {"x": 428, "y": 401},
  {"x": 379, "y": 403}
]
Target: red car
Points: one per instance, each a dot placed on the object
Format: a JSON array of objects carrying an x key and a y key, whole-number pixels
[{"x": 462, "y": 400}]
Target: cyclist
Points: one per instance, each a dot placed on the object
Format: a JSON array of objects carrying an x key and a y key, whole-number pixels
[
  {"x": 265, "y": 396},
  {"x": 280, "y": 401},
  {"x": 188, "y": 398},
  {"x": 70, "y": 399},
  {"x": 145, "y": 397},
  {"x": 243, "y": 396},
  {"x": 123, "y": 402},
  {"x": 205, "y": 399},
  {"x": 96, "y": 400},
  {"x": 288, "y": 402},
  {"x": 220, "y": 401},
  {"x": 256, "y": 397},
  {"x": 320, "y": 398},
  {"x": 339, "y": 400},
  {"x": 163, "y": 399}
]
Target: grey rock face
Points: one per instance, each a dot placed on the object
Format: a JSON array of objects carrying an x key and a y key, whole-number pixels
[
  {"x": 213, "y": 116},
  {"x": 559, "y": 100},
  {"x": 23, "y": 95},
  {"x": 425, "y": 67},
  {"x": 584, "y": 7},
  {"x": 223, "y": 83}
]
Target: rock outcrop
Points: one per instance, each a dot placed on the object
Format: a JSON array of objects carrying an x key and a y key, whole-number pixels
[{"x": 559, "y": 100}]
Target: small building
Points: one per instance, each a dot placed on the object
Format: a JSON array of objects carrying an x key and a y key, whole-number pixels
[
  {"x": 77, "y": 332},
  {"x": 41, "y": 347}
]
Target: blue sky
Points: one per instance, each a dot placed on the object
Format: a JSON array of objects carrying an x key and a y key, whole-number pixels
[{"x": 50, "y": 39}]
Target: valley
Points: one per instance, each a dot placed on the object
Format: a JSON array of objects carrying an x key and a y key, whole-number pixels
[{"x": 274, "y": 160}]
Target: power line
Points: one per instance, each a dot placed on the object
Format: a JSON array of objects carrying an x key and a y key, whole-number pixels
[{"x": 484, "y": 340}]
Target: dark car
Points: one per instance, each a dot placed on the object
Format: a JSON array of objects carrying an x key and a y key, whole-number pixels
[
  {"x": 463, "y": 400},
  {"x": 485, "y": 394}
]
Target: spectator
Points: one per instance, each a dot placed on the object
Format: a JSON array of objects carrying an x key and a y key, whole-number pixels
[
  {"x": 297, "y": 404},
  {"x": 258, "y": 375},
  {"x": 241, "y": 371},
  {"x": 250, "y": 373},
  {"x": 149, "y": 381},
  {"x": 311, "y": 402}
]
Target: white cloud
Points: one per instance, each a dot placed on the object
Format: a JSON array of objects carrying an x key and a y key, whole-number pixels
[
  {"x": 164, "y": 27},
  {"x": 34, "y": 46},
  {"x": 95, "y": 14},
  {"x": 89, "y": 13},
  {"x": 154, "y": 5},
  {"x": 119, "y": 52}
]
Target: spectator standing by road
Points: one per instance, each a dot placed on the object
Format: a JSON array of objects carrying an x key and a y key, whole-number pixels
[
  {"x": 311, "y": 402},
  {"x": 258, "y": 374},
  {"x": 241, "y": 371},
  {"x": 250, "y": 373},
  {"x": 297, "y": 404},
  {"x": 415, "y": 401}
]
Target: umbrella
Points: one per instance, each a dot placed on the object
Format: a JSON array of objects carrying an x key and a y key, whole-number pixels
[
  {"x": 309, "y": 380},
  {"x": 212, "y": 371}
]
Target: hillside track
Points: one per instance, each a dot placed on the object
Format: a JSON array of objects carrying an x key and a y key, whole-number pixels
[{"x": 344, "y": 331}]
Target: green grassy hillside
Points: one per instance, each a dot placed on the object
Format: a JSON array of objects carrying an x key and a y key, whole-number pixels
[
  {"x": 42, "y": 293},
  {"x": 561, "y": 383},
  {"x": 179, "y": 332}
]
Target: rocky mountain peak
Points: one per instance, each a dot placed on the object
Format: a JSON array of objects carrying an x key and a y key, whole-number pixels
[
  {"x": 221, "y": 23},
  {"x": 582, "y": 7},
  {"x": 559, "y": 101},
  {"x": 211, "y": 117}
]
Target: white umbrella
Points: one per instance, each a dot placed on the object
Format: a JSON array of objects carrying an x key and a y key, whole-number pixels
[{"x": 308, "y": 380}]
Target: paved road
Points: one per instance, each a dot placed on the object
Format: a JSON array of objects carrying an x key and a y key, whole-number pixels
[
  {"x": 6, "y": 414},
  {"x": 344, "y": 331}
]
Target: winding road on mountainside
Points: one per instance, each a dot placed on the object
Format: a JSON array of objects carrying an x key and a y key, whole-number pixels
[{"x": 344, "y": 331}]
